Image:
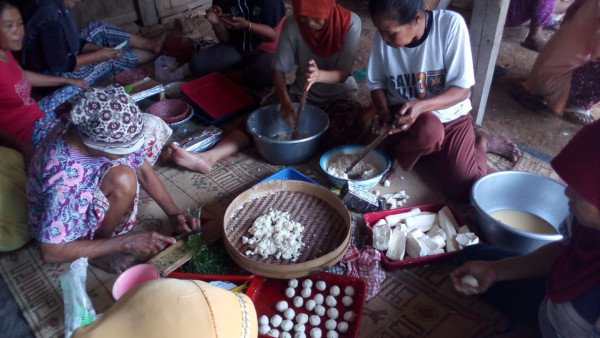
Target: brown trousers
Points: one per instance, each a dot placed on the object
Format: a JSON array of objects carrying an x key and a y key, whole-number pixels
[{"x": 450, "y": 147}]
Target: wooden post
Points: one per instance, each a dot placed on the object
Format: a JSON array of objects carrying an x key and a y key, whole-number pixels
[
  {"x": 485, "y": 29},
  {"x": 148, "y": 12}
]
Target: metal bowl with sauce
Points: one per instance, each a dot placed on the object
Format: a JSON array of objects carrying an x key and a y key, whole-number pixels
[{"x": 521, "y": 192}]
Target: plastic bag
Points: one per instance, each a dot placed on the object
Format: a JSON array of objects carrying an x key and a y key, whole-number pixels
[
  {"x": 79, "y": 310},
  {"x": 166, "y": 69}
]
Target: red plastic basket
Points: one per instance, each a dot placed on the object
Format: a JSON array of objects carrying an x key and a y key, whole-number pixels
[
  {"x": 372, "y": 217},
  {"x": 266, "y": 292}
]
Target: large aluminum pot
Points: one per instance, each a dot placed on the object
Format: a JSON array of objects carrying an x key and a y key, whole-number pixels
[
  {"x": 265, "y": 125},
  {"x": 518, "y": 190}
]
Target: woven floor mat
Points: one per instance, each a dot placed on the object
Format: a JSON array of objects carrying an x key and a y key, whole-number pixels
[{"x": 412, "y": 303}]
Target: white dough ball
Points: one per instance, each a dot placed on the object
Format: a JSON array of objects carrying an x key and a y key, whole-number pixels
[
  {"x": 263, "y": 320},
  {"x": 330, "y": 301},
  {"x": 347, "y": 300},
  {"x": 333, "y": 313},
  {"x": 469, "y": 281},
  {"x": 310, "y": 305},
  {"x": 321, "y": 285},
  {"x": 287, "y": 325},
  {"x": 305, "y": 292},
  {"x": 342, "y": 327},
  {"x": 349, "y": 316},
  {"x": 293, "y": 282},
  {"x": 264, "y": 329},
  {"x": 299, "y": 335},
  {"x": 299, "y": 327},
  {"x": 290, "y": 292},
  {"x": 332, "y": 334},
  {"x": 273, "y": 333},
  {"x": 289, "y": 313},
  {"x": 320, "y": 310},
  {"x": 285, "y": 335},
  {"x": 281, "y": 305},
  {"x": 301, "y": 318},
  {"x": 334, "y": 290},
  {"x": 307, "y": 283},
  {"x": 315, "y": 333},
  {"x": 330, "y": 324},
  {"x": 276, "y": 321},
  {"x": 314, "y": 320},
  {"x": 318, "y": 299},
  {"x": 349, "y": 290},
  {"x": 298, "y": 301}
]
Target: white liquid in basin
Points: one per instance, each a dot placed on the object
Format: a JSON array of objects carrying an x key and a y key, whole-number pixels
[{"x": 523, "y": 221}]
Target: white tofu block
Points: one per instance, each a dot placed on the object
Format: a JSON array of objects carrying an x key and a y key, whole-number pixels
[
  {"x": 431, "y": 245},
  {"x": 381, "y": 235},
  {"x": 465, "y": 239},
  {"x": 397, "y": 246},
  {"x": 397, "y": 218},
  {"x": 416, "y": 233},
  {"x": 463, "y": 229},
  {"x": 416, "y": 248},
  {"x": 422, "y": 221},
  {"x": 449, "y": 226},
  {"x": 438, "y": 239},
  {"x": 436, "y": 231}
]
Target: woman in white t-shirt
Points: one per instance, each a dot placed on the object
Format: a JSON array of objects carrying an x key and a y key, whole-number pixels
[{"x": 420, "y": 75}]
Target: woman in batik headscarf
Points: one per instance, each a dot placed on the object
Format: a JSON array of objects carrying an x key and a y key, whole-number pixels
[{"x": 83, "y": 184}]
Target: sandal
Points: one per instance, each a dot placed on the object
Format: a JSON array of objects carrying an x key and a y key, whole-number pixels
[
  {"x": 579, "y": 117},
  {"x": 528, "y": 100}
]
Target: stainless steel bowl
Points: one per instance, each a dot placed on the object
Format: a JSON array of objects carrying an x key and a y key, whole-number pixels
[
  {"x": 518, "y": 190},
  {"x": 265, "y": 125}
]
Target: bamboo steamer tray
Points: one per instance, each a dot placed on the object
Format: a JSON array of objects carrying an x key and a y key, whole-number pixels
[{"x": 326, "y": 222}]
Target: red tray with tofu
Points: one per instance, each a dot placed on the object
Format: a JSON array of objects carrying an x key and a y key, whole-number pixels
[
  {"x": 266, "y": 292},
  {"x": 408, "y": 262}
]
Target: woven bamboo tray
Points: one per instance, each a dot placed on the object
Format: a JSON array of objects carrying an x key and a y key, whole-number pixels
[{"x": 325, "y": 219}]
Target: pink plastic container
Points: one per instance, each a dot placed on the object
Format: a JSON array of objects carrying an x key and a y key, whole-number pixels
[{"x": 133, "y": 276}]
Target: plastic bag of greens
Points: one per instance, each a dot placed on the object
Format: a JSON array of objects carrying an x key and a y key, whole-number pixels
[{"x": 79, "y": 310}]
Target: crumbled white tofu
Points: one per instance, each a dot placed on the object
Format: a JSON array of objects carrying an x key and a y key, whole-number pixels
[
  {"x": 275, "y": 234},
  {"x": 362, "y": 170},
  {"x": 387, "y": 183}
]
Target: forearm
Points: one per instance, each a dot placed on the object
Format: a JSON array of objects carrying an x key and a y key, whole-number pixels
[
  {"x": 156, "y": 189},
  {"x": 448, "y": 98},
  {"x": 42, "y": 80},
  {"x": 533, "y": 265},
  {"x": 70, "y": 251},
  {"x": 221, "y": 32},
  {"x": 264, "y": 32},
  {"x": 379, "y": 98},
  {"x": 332, "y": 76},
  {"x": 85, "y": 59},
  {"x": 280, "y": 86}
]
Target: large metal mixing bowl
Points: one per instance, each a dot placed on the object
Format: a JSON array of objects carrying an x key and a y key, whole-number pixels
[
  {"x": 269, "y": 130},
  {"x": 518, "y": 190}
]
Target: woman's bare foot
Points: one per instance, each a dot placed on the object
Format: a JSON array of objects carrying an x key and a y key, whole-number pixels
[
  {"x": 579, "y": 118},
  {"x": 534, "y": 44},
  {"x": 496, "y": 144},
  {"x": 158, "y": 43},
  {"x": 192, "y": 161}
]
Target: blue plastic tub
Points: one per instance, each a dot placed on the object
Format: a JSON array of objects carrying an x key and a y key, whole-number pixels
[{"x": 289, "y": 174}]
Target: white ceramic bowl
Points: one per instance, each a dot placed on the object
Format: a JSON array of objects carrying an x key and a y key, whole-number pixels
[{"x": 376, "y": 157}]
